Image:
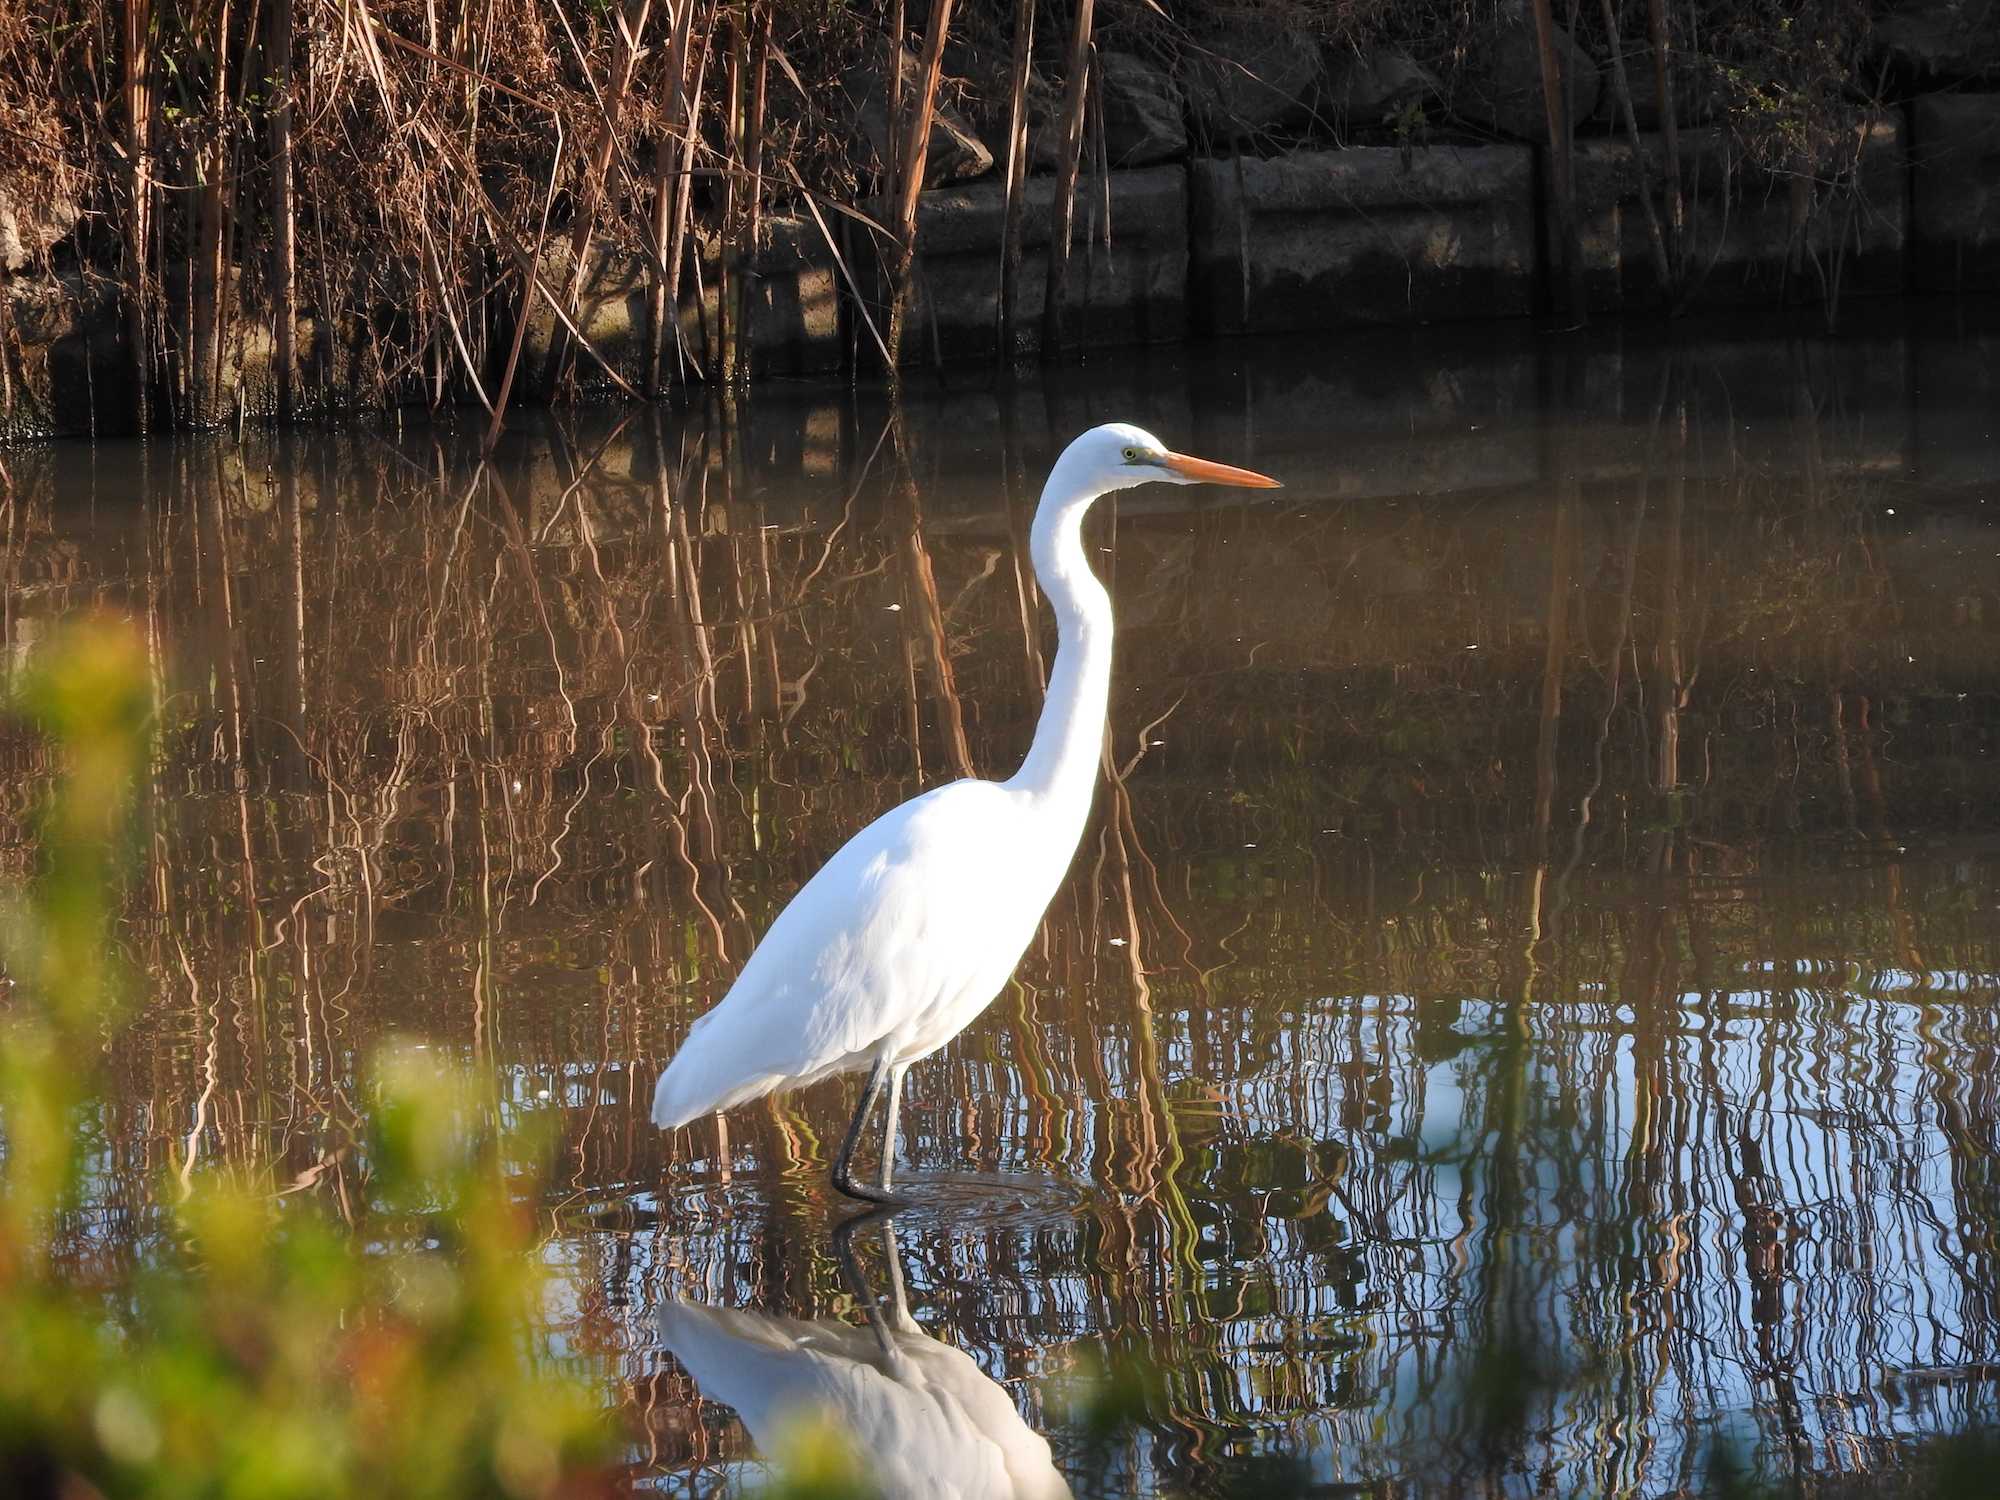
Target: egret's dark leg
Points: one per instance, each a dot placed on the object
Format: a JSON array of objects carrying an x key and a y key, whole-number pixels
[
  {"x": 896, "y": 1073},
  {"x": 850, "y": 1267},
  {"x": 899, "y": 1305},
  {"x": 843, "y": 1174}
]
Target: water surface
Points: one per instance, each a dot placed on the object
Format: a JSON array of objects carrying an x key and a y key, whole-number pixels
[{"x": 1523, "y": 1015}]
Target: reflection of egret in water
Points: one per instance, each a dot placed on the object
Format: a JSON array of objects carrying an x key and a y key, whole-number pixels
[{"x": 923, "y": 1418}]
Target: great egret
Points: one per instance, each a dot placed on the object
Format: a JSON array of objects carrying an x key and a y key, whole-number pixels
[
  {"x": 912, "y": 928},
  {"x": 928, "y": 1421}
]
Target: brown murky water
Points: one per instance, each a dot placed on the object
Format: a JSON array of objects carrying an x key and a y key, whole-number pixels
[{"x": 1524, "y": 1013}]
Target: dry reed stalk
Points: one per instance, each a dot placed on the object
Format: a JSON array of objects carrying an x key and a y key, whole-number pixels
[
  {"x": 1656, "y": 243},
  {"x": 201, "y": 377},
  {"x": 435, "y": 264},
  {"x": 631, "y": 27},
  {"x": 244, "y": 207},
  {"x": 1067, "y": 164},
  {"x": 1017, "y": 171},
  {"x": 137, "y": 19},
  {"x": 751, "y": 211},
  {"x": 833, "y": 243},
  {"x": 1670, "y": 136},
  {"x": 283, "y": 22},
  {"x": 526, "y": 258},
  {"x": 1555, "y": 108},
  {"x": 732, "y": 201},
  {"x": 526, "y": 305},
  {"x": 892, "y": 121},
  {"x": 681, "y": 216},
  {"x": 668, "y": 153},
  {"x": 911, "y": 156},
  {"x": 1798, "y": 213},
  {"x": 897, "y": 29}
]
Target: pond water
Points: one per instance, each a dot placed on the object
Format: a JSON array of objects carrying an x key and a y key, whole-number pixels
[{"x": 1523, "y": 1017}]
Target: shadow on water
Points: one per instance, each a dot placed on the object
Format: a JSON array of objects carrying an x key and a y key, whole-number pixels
[{"x": 1523, "y": 1019}]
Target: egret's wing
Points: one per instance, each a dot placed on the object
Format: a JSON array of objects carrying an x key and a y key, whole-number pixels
[{"x": 900, "y": 919}]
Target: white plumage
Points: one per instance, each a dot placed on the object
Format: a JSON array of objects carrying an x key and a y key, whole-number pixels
[
  {"x": 926, "y": 1420},
  {"x": 908, "y": 932},
  {"x": 895, "y": 941}
]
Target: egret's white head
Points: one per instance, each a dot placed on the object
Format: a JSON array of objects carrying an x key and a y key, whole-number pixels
[{"x": 1118, "y": 455}]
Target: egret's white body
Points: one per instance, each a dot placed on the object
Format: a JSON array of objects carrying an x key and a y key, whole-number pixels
[{"x": 908, "y": 932}]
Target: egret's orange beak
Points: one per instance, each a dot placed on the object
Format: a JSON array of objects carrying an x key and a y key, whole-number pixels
[{"x": 1202, "y": 471}]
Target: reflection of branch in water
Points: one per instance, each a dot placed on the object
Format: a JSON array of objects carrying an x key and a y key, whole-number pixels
[
  {"x": 1027, "y": 595},
  {"x": 1159, "y": 1151},
  {"x": 799, "y": 592},
  {"x": 1614, "y": 679},
  {"x": 212, "y": 1025},
  {"x": 517, "y": 542},
  {"x": 920, "y": 590},
  {"x": 694, "y": 700},
  {"x": 1118, "y": 775},
  {"x": 1669, "y": 684}
]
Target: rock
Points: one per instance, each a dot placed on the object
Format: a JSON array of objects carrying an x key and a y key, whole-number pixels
[
  {"x": 1250, "y": 75},
  {"x": 1501, "y": 85},
  {"x": 1369, "y": 234},
  {"x": 1942, "y": 39},
  {"x": 1044, "y": 111},
  {"x": 1366, "y": 90},
  {"x": 28, "y": 231},
  {"x": 1694, "y": 98},
  {"x": 956, "y": 152},
  {"x": 1143, "y": 111},
  {"x": 1955, "y": 197}
]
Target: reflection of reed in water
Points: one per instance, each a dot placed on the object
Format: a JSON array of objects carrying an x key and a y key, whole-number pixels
[{"x": 923, "y": 1419}]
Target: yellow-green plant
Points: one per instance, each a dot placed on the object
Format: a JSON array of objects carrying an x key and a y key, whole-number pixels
[{"x": 266, "y": 1348}]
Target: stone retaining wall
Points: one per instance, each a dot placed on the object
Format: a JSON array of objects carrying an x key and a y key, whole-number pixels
[
  {"x": 1325, "y": 239},
  {"x": 1131, "y": 291},
  {"x": 1739, "y": 237}
]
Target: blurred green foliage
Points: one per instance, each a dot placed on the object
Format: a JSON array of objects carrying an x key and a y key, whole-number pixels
[
  {"x": 815, "y": 1461},
  {"x": 270, "y": 1348}
]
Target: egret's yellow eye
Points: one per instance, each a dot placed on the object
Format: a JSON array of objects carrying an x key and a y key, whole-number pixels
[{"x": 1131, "y": 455}]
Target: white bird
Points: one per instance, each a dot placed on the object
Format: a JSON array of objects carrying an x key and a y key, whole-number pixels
[
  {"x": 908, "y": 933},
  {"x": 928, "y": 1422}
]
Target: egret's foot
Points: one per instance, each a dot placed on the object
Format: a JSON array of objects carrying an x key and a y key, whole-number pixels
[{"x": 844, "y": 1182}]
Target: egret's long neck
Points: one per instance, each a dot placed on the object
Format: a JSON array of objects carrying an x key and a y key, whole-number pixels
[{"x": 1062, "y": 765}]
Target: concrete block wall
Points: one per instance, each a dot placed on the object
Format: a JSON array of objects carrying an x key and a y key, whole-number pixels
[
  {"x": 1372, "y": 234},
  {"x": 1133, "y": 291},
  {"x": 1738, "y": 226}
]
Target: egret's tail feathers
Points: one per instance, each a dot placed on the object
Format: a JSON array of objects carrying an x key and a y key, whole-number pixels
[
  {"x": 722, "y": 1066},
  {"x": 687, "y": 1091},
  {"x": 678, "y": 1096}
]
